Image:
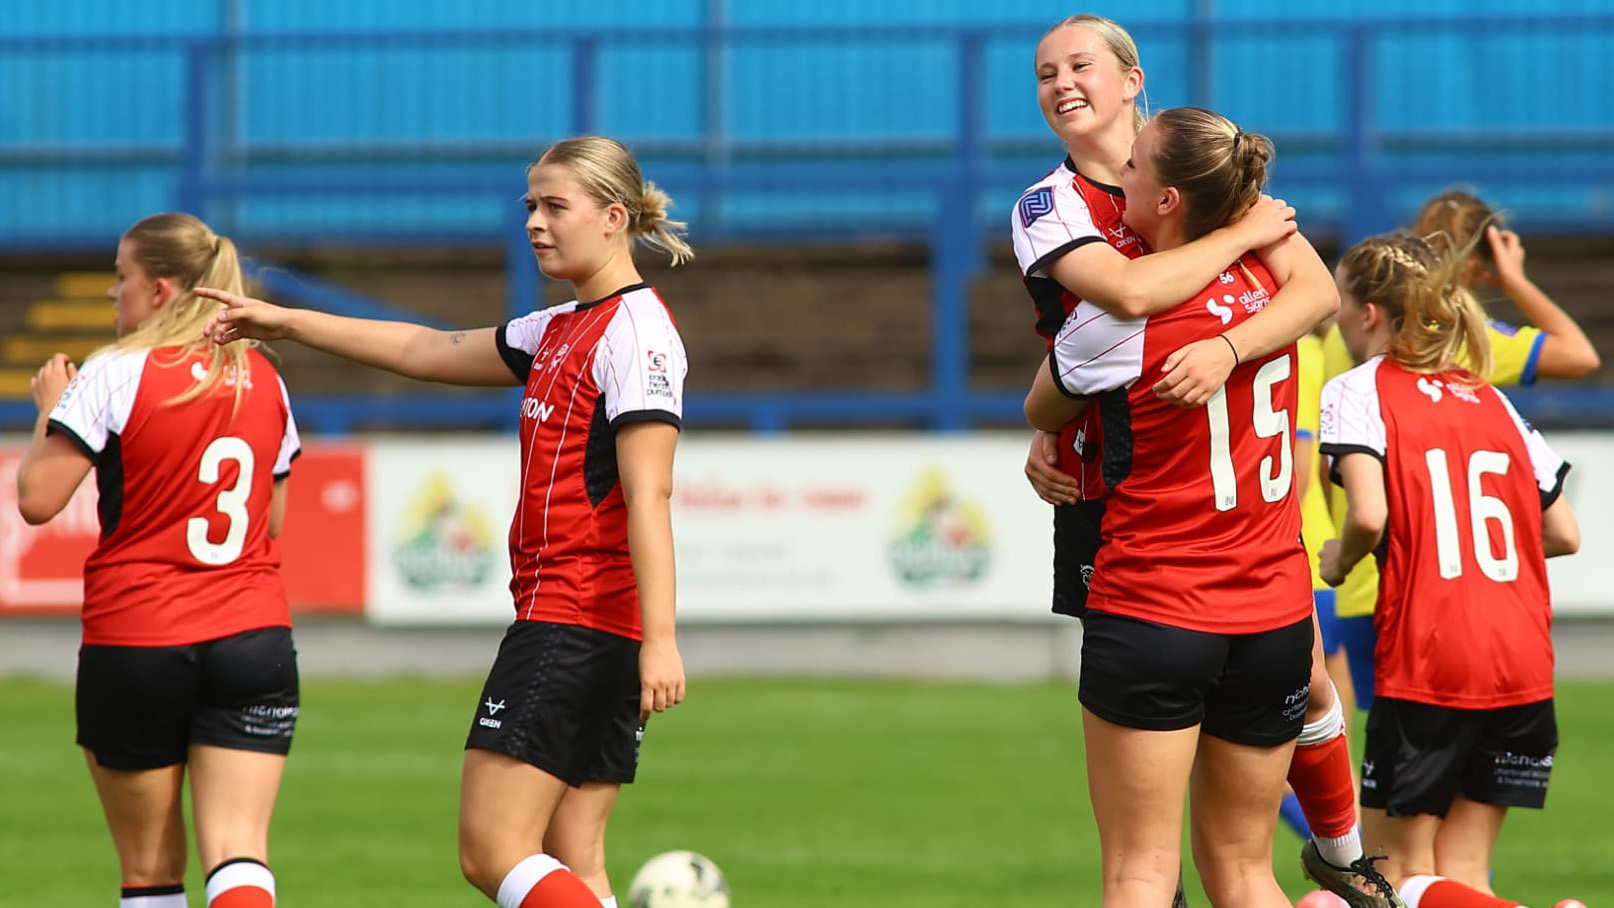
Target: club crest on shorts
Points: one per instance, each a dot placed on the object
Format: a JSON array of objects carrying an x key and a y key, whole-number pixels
[{"x": 1034, "y": 205}]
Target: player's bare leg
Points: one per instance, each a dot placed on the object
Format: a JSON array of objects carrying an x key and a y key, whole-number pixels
[
  {"x": 1235, "y": 791},
  {"x": 1464, "y": 844},
  {"x": 1407, "y": 843},
  {"x": 233, "y": 798},
  {"x": 142, "y": 809},
  {"x": 576, "y": 835},
  {"x": 1137, "y": 781},
  {"x": 505, "y": 809},
  {"x": 1409, "y": 846}
]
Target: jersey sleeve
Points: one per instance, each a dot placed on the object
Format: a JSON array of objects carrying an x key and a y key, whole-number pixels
[
  {"x": 1515, "y": 353},
  {"x": 1309, "y": 378},
  {"x": 291, "y": 444},
  {"x": 1096, "y": 352},
  {"x": 97, "y": 402},
  {"x": 518, "y": 340},
  {"x": 1350, "y": 421},
  {"x": 1549, "y": 468},
  {"x": 1050, "y": 220},
  {"x": 640, "y": 365}
]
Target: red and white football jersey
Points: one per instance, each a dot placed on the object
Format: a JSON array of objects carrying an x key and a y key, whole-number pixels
[
  {"x": 1061, "y": 212},
  {"x": 1202, "y": 529},
  {"x": 185, "y": 553},
  {"x": 1464, "y": 613},
  {"x": 590, "y": 369}
]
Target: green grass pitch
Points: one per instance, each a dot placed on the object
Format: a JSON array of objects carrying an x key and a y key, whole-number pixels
[{"x": 807, "y": 794}]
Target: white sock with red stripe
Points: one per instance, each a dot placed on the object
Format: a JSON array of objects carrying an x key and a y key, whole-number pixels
[
  {"x": 540, "y": 881},
  {"x": 241, "y": 883}
]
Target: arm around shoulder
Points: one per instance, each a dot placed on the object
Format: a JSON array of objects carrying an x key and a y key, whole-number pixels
[{"x": 1306, "y": 296}]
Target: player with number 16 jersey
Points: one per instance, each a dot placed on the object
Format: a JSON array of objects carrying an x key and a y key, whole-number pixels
[{"x": 1472, "y": 560}]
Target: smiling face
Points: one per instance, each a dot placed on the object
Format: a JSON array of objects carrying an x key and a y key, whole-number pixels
[
  {"x": 572, "y": 235},
  {"x": 1082, "y": 87},
  {"x": 134, "y": 295}
]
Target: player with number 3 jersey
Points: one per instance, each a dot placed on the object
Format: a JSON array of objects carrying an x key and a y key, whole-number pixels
[{"x": 187, "y": 664}]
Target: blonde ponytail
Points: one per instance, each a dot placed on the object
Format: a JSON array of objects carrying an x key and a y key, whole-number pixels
[
  {"x": 1438, "y": 325},
  {"x": 656, "y": 229},
  {"x": 186, "y": 251},
  {"x": 610, "y": 175}
]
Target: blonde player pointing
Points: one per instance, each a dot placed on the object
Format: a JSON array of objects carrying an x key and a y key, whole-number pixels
[{"x": 593, "y": 650}]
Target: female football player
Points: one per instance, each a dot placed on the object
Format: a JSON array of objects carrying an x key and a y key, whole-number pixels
[
  {"x": 593, "y": 649},
  {"x": 1088, "y": 83},
  {"x": 1461, "y": 502},
  {"x": 187, "y": 665},
  {"x": 1197, "y": 650}
]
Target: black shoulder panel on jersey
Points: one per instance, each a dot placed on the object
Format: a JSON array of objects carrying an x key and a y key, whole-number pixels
[
  {"x": 109, "y": 485},
  {"x": 519, "y": 362},
  {"x": 1049, "y": 298},
  {"x": 599, "y": 457},
  {"x": 1548, "y": 497},
  {"x": 1115, "y": 409}
]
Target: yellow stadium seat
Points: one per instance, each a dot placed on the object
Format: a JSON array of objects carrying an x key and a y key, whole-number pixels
[
  {"x": 83, "y": 285},
  {"x": 35, "y": 349},
  {"x": 14, "y": 382},
  {"x": 71, "y": 315}
]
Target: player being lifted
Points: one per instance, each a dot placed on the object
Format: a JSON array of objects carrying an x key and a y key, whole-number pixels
[
  {"x": 593, "y": 650},
  {"x": 1197, "y": 646},
  {"x": 1460, "y": 502},
  {"x": 187, "y": 665},
  {"x": 1088, "y": 82}
]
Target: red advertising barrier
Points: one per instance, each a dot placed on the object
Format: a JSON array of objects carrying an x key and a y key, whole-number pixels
[{"x": 321, "y": 545}]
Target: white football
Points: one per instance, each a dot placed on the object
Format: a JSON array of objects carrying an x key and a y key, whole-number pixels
[{"x": 678, "y": 879}]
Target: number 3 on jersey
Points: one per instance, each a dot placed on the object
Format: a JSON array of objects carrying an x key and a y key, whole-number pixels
[
  {"x": 232, "y": 502},
  {"x": 1267, "y": 422}
]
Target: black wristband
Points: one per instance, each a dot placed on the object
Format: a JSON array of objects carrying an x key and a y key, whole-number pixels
[{"x": 1230, "y": 346}]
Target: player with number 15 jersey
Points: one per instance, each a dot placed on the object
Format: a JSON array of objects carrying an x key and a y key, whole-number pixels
[{"x": 1211, "y": 508}]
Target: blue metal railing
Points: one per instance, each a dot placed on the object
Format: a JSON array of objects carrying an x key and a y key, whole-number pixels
[{"x": 962, "y": 174}]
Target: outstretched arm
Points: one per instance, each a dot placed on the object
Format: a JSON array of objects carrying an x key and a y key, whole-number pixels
[
  {"x": 1132, "y": 288},
  {"x": 452, "y": 357}
]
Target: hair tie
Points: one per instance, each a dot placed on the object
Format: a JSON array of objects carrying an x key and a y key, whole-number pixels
[
  {"x": 216, "y": 243},
  {"x": 1237, "y": 135}
]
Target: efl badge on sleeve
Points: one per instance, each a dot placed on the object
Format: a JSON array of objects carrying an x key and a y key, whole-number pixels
[{"x": 1034, "y": 205}]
